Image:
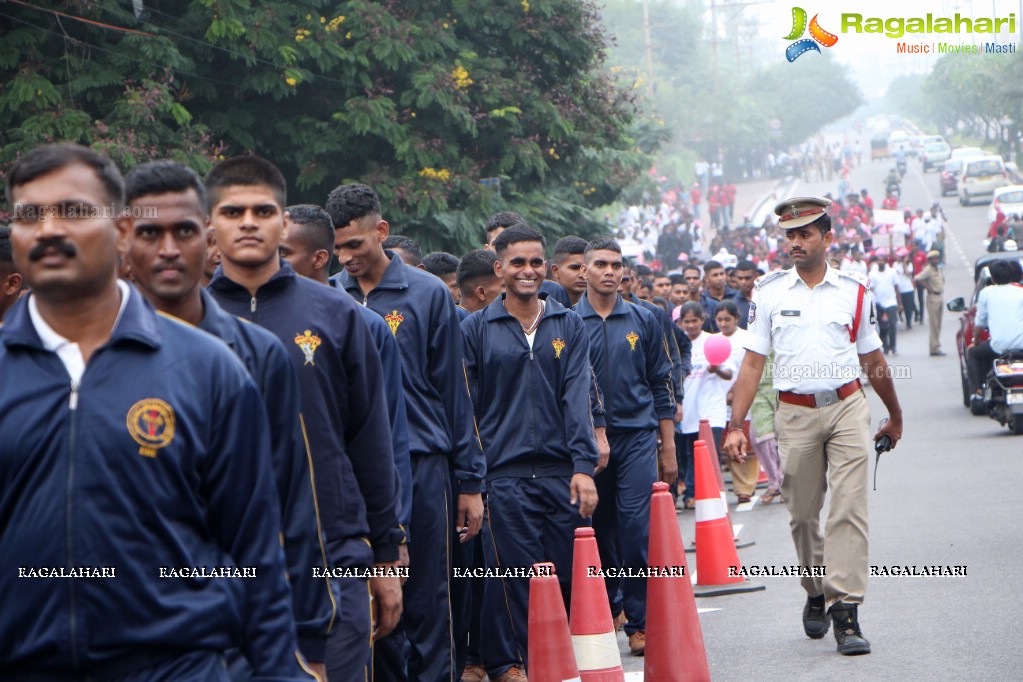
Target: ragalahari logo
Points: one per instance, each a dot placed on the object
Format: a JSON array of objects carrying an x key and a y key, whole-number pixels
[{"x": 818, "y": 35}]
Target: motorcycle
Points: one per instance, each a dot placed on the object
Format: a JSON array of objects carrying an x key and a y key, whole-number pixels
[
  {"x": 1003, "y": 392},
  {"x": 900, "y": 167}
]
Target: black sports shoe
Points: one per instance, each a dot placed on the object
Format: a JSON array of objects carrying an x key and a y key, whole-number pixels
[
  {"x": 847, "y": 630},
  {"x": 815, "y": 621}
]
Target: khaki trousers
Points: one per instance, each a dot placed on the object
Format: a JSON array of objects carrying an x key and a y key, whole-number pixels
[
  {"x": 745, "y": 475},
  {"x": 824, "y": 447},
  {"x": 934, "y": 309}
]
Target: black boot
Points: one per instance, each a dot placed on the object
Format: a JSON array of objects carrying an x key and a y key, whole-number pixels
[
  {"x": 847, "y": 630},
  {"x": 815, "y": 621}
]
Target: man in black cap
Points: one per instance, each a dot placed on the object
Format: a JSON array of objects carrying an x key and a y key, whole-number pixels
[{"x": 817, "y": 320}]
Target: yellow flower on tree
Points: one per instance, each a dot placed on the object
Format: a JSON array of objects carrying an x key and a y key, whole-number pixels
[
  {"x": 461, "y": 78},
  {"x": 431, "y": 173}
]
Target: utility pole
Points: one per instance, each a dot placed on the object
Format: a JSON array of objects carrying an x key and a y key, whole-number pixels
[{"x": 649, "y": 50}]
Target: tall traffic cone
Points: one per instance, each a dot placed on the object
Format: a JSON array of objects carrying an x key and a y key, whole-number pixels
[
  {"x": 715, "y": 548},
  {"x": 707, "y": 436},
  {"x": 550, "y": 644},
  {"x": 593, "y": 631},
  {"x": 674, "y": 640}
]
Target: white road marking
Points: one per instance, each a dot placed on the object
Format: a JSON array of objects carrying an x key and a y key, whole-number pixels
[{"x": 748, "y": 506}]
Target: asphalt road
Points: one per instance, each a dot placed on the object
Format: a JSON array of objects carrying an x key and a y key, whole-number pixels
[{"x": 946, "y": 496}]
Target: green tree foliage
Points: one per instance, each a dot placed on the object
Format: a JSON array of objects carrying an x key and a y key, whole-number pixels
[
  {"x": 977, "y": 92},
  {"x": 713, "y": 96},
  {"x": 806, "y": 95},
  {"x": 449, "y": 109}
]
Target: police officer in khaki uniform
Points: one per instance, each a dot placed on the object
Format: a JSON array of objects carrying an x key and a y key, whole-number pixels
[
  {"x": 818, "y": 322},
  {"x": 933, "y": 280}
]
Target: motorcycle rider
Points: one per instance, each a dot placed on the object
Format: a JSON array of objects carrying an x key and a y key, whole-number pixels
[
  {"x": 1000, "y": 311},
  {"x": 892, "y": 181}
]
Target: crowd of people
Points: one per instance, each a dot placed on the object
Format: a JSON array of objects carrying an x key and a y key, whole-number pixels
[{"x": 385, "y": 438}]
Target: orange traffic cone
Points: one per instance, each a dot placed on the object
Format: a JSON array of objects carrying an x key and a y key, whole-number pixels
[
  {"x": 674, "y": 640},
  {"x": 593, "y": 631},
  {"x": 762, "y": 478},
  {"x": 550, "y": 644},
  {"x": 715, "y": 548},
  {"x": 707, "y": 436}
]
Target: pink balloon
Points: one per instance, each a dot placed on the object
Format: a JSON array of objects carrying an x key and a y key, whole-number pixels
[{"x": 717, "y": 349}]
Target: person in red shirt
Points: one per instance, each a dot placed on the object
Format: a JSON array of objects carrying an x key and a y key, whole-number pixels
[
  {"x": 728, "y": 192},
  {"x": 714, "y": 206},
  {"x": 694, "y": 198}
]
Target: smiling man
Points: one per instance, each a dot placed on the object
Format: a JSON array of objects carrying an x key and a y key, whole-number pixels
[
  {"x": 818, "y": 322},
  {"x": 167, "y": 252},
  {"x": 341, "y": 385},
  {"x": 527, "y": 361},
  {"x": 126, "y": 438}
]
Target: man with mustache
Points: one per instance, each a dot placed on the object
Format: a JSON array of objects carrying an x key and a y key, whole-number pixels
[
  {"x": 819, "y": 324},
  {"x": 127, "y": 437}
]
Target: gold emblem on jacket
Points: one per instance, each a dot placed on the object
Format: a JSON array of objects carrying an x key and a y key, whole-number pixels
[{"x": 151, "y": 424}]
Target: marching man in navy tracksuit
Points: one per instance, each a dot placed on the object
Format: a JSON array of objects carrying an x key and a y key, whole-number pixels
[
  {"x": 126, "y": 438},
  {"x": 633, "y": 370},
  {"x": 527, "y": 361},
  {"x": 345, "y": 413},
  {"x": 420, "y": 312},
  {"x": 166, "y": 252}
]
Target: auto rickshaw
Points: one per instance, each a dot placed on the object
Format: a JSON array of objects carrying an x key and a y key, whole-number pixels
[{"x": 879, "y": 147}]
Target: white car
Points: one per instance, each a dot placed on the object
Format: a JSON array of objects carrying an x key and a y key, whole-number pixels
[
  {"x": 981, "y": 175},
  {"x": 960, "y": 152},
  {"x": 935, "y": 154},
  {"x": 1008, "y": 199},
  {"x": 899, "y": 141}
]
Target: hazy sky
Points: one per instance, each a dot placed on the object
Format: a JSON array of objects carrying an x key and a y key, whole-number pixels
[{"x": 873, "y": 57}]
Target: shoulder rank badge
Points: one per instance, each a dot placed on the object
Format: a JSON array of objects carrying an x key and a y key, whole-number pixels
[
  {"x": 752, "y": 313},
  {"x": 394, "y": 320},
  {"x": 559, "y": 345},
  {"x": 151, "y": 424},
  {"x": 308, "y": 342},
  {"x": 632, "y": 338}
]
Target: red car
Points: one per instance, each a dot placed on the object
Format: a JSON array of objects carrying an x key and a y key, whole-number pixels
[
  {"x": 950, "y": 176},
  {"x": 964, "y": 335}
]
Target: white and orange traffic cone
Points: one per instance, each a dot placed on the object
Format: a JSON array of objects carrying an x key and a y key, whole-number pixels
[
  {"x": 593, "y": 630},
  {"x": 707, "y": 436},
  {"x": 715, "y": 547},
  {"x": 674, "y": 639},
  {"x": 551, "y": 658}
]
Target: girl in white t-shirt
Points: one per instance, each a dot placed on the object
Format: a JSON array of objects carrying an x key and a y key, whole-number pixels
[{"x": 705, "y": 389}]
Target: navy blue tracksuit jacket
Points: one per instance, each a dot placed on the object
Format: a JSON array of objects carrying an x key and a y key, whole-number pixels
[
  {"x": 345, "y": 415},
  {"x": 427, "y": 332},
  {"x": 629, "y": 336},
  {"x": 267, "y": 361},
  {"x": 534, "y": 427},
  {"x": 681, "y": 364},
  {"x": 137, "y": 467}
]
